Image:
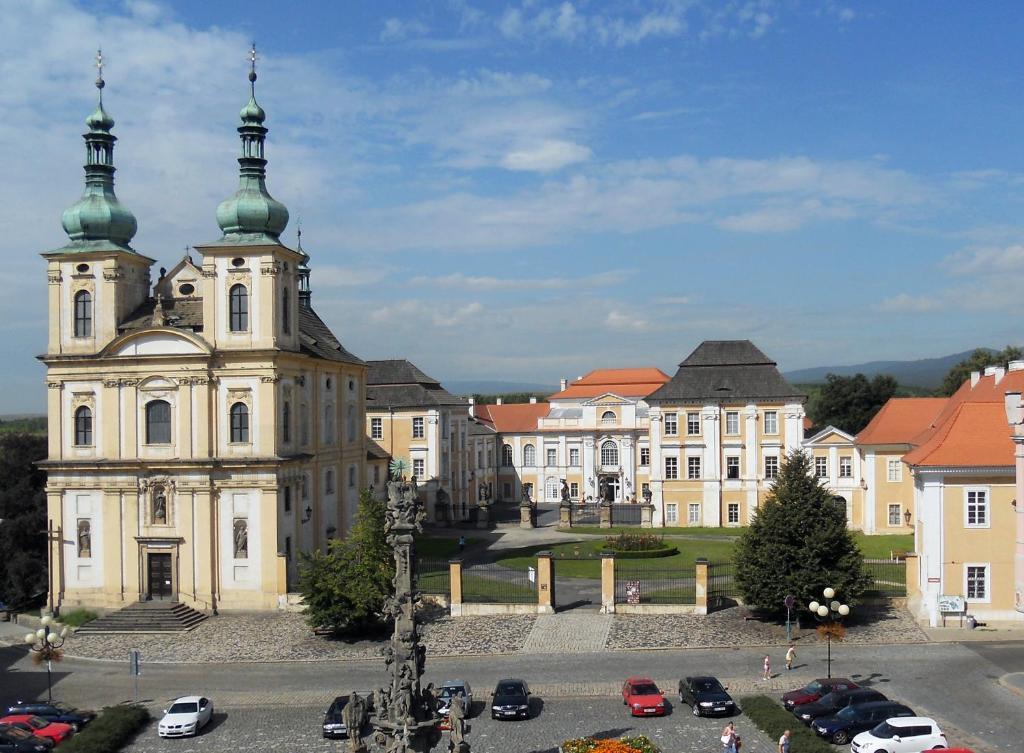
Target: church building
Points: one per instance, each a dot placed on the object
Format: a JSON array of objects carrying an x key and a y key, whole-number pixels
[{"x": 205, "y": 429}]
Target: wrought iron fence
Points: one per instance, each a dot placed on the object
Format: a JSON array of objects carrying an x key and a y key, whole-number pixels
[
  {"x": 625, "y": 514},
  {"x": 889, "y": 578},
  {"x": 495, "y": 584},
  {"x": 433, "y": 575},
  {"x": 651, "y": 582},
  {"x": 722, "y": 586},
  {"x": 585, "y": 514}
]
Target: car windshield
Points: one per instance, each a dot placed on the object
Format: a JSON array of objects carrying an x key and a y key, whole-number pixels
[
  {"x": 812, "y": 687},
  {"x": 451, "y": 690},
  {"x": 184, "y": 708},
  {"x": 830, "y": 699},
  {"x": 708, "y": 686},
  {"x": 510, "y": 688},
  {"x": 645, "y": 688},
  {"x": 36, "y": 723},
  {"x": 848, "y": 714},
  {"x": 885, "y": 731},
  {"x": 17, "y": 734}
]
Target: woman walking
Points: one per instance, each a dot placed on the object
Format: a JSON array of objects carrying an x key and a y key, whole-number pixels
[
  {"x": 790, "y": 656},
  {"x": 767, "y": 668},
  {"x": 729, "y": 738}
]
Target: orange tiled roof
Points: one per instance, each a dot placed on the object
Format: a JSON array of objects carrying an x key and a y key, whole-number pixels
[
  {"x": 626, "y": 382},
  {"x": 971, "y": 429},
  {"x": 901, "y": 419},
  {"x": 514, "y": 417}
]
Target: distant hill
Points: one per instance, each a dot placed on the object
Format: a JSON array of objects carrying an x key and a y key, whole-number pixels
[
  {"x": 493, "y": 387},
  {"x": 926, "y": 372}
]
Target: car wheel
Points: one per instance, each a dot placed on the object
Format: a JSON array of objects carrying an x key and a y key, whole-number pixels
[
  {"x": 841, "y": 738},
  {"x": 696, "y": 710}
]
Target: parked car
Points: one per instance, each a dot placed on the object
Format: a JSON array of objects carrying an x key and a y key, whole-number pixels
[
  {"x": 40, "y": 727},
  {"x": 833, "y": 702},
  {"x": 55, "y": 712},
  {"x": 510, "y": 700},
  {"x": 449, "y": 690},
  {"x": 815, "y": 689},
  {"x": 186, "y": 716},
  {"x": 841, "y": 727},
  {"x": 705, "y": 696},
  {"x": 14, "y": 740},
  {"x": 643, "y": 697},
  {"x": 910, "y": 734}
]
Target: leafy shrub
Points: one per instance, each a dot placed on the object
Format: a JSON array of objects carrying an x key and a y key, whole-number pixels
[
  {"x": 110, "y": 731},
  {"x": 634, "y": 542},
  {"x": 646, "y": 554},
  {"x": 772, "y": 719},
  {"x": 78, "y": 617},
  {"x": 638, "y": 744}
]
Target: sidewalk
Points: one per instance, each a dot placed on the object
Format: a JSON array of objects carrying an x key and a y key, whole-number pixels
[{"x": 991, "y": 632}]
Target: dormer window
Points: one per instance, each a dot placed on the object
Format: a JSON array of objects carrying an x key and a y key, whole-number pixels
[
  {"x": 239, "y": 308},
  {"x": 83, "y": 314}
]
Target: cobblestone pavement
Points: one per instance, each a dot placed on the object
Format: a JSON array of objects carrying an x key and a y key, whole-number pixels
[
  {"x": 568, "y": 633},
  {"x": 555, "y": 720},
  {"x": 285, "y": 636}
]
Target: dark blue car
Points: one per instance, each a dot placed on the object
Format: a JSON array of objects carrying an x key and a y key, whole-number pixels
[
  {"x": 843, "y": 726},
  {"x": 53, "y": 712}
]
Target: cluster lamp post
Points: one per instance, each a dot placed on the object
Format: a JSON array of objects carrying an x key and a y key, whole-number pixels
[
  {"x": 46, "y": 643},
  {"x": 830, "y": 614}
]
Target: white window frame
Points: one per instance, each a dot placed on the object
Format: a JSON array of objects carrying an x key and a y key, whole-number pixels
[
  {"x": 673, "y": 462},
  {"x": 553, "y": 489},
  {"x": 574, "y": 457},
  {"x": 775, "y": 472},
  {"x": 897, "y": 464},
  {"x": 671, "y": 424},
  {"x": 608, "y": 447},
  {"x": 730, "y": 508},
  {"x": 671, "y": 512},
  {"x": 968, "y": 491},
  {"x": 845, "y": 466},
  {"x": 692, "y": 422},
  {"x": 732, "y": 461},
  {"x": 732, "y": 423},
  {"x": 551, "y": 455},
  {"x": 820, "y": 467},
  {"x": 988, "y": 582},
  {"x": 645, "y": 457},
  {"x": 608, "y": 417},
  {"x": 376, "y": 428},
  {"x": 421, "y": 464},
  {"x": 693, "y": 513},
  {"x": 899, "y": 514},
  {"x": 574, "y": 489},
  {"x": 529, "y": 460},
  {"x": 773, "y": 428},
  {"x": 694, "y": 468},
  {"x": 419, "y": 429}
]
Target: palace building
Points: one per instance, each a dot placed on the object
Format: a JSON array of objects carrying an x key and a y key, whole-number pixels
[{"x": 205, "y": 429}]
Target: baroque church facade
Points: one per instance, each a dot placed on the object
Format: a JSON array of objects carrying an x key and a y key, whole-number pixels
[{"x": 203, "y": 430}]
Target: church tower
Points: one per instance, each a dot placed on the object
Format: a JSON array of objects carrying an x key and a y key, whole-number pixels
[
  {"x": 97, "y": 278},
  {"x": 250, "y": 285}
]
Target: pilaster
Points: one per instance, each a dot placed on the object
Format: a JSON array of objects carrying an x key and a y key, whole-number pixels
[{"x": 545, "y": 583}]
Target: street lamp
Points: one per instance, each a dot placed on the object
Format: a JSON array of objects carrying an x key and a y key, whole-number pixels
[
  {"x": 830, "y": 616},
  {"x": 45, "y": 645}
]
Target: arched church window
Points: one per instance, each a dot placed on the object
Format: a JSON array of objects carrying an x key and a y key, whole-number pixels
[
  {"x": 239, "y": 308},
  {"x": 83, "y": 427},
  {"x": 239, "y": 422},
  {"x": 158, "y": 422},
  {"x": 83, "y": 314},
  {"x": 609, "y": 453},
  {"x": 529, "y": 455}
]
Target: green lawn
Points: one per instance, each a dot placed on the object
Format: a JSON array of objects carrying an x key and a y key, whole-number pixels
[
  {"x": 881, "y": 546},
  {"x": 439, "y": 546},
  {"x": 482, "y": 590},
  {"x": 692, "y": 532}
]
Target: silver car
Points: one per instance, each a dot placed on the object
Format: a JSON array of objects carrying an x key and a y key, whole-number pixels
[{"x": 449, "y": 690}]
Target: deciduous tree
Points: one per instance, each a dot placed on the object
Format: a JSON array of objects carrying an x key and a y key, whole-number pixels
[
  {"x": 977, "y": 361},
  {"x": 849, "y": 403},
  {"x": 23, "y": 511}
]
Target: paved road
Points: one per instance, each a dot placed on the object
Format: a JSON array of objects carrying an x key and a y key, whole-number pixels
[{"x": 956, "y": 683}]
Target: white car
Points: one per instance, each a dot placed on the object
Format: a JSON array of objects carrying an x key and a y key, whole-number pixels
[
  {"x": 904, "y": 734},
  {"x": 185, "y": 717},
  {"x": 451, "y": 689}
]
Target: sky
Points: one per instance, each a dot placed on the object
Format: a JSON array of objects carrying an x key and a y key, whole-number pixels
[{"x": 528, "y": 190}]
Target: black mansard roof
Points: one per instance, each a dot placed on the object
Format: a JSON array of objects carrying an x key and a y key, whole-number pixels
[{"x": 398, "y": 383}]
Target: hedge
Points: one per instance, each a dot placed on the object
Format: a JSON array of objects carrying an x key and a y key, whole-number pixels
[
  {"x": 645, "y": 554},
  {"x": 772, "y": 719},
  {"x": 110, "y": 731}
]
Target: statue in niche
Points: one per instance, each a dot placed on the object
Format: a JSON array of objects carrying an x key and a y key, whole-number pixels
[
  {"x": 241, "y": 538},
  {"x": 159, "y": 508},
  {"x": 84, "y": 539}
]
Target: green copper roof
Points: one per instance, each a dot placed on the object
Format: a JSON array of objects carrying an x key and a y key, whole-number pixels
[
  {"x": 252, "y": 215},
  {"x": 98, "y": 221}
]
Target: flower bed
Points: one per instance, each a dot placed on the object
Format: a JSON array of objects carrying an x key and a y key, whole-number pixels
[{"x": 638, "y": 744}]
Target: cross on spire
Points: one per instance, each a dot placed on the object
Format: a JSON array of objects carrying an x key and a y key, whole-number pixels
[
  {"x": 252, "y": 67},
  {"x": 100, "y": 83}
]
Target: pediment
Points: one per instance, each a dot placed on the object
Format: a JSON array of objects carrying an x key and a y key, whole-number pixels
[
  {"x": 162, "y": 341},
  {"x": 830, "y": 435},
  {"x": 608, "y": 398}
]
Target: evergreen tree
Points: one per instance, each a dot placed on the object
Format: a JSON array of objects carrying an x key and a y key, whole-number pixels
[
  {"x": 23, "y": 511},
  {"x": 977, "y": 361},
  {"x": 798, "y": 544},
  {"x": 344, "y": 588}
]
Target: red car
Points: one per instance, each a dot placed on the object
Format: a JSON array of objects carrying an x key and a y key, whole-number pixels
[
  {"x": 815, "y": 689},
  {"x": 36, "y": 725},
  {"x": 643, "y": 697}
]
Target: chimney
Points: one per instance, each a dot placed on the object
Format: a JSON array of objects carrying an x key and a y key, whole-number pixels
[
  {"x": 563, "y": 384},
  {"x": 472, "y": 408},
  {"x": 1015, "y": 366},
  {"x": 990, "y": 370},
  {"x": 1000, "y": 372},
  {"x": 498, "y": 401},
  {"x": 975, "y": 378},
  {"x": 579, "y": 378},
  {"x": 533, "y": 401},
  {"x": 1014, "y": 408}
]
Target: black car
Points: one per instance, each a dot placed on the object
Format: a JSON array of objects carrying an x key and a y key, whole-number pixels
[
  {"x": 54, "y": 712},
  {"x": 832, "y": 703},
  {"x": 510, "y": 700},
  {"x": 14, "y": 740},
  {"x": 706, "y": 697},
  {"x": 844, "y": 725},
  {"x": 334, "y": 721}
]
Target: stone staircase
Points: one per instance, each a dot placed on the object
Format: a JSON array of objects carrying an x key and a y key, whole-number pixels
[{"x": 146, "y": 617}]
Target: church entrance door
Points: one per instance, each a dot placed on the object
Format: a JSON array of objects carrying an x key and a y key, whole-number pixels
[
  {"x": 160, "y": 576},
  {"x": 613, "y": 488}
]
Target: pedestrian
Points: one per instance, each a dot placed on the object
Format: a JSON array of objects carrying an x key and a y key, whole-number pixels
[
  {"x": 737, "y": 743},
  {"x": 729, "y": 738},
  {"x": 462, "y": 543},
  {"x": 784, "y": 742},
  {"x": 790, "y": 656},
  {"x": 767, "y": 675}
]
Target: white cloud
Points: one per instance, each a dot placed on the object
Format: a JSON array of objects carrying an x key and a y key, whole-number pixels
[
  {"x": 906, "y": 303},
  {"x": 547, "y": 156},
  {"x": 397, "y": 29},
  {"x": 625, "y": 321},
  {"x": 333, "y": 276},
  {"x": 991, "y": 261},
  {"x": 414, "y": 313},
  {"x": 458, "y": 280}
]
